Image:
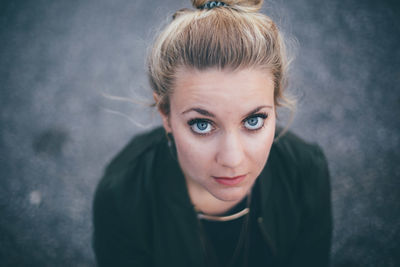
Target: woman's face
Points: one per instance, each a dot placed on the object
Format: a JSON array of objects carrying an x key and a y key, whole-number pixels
[{"x": 223, "y": 123}]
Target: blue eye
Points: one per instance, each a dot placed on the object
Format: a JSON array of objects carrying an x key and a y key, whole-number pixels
[
  {"x": 255, "y": 122},
  {"x": 200, "y": 126}
]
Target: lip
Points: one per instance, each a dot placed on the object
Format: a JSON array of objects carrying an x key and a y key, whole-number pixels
[{"x": 229, "y": 181}]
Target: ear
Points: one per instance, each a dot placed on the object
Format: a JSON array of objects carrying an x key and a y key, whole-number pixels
[{"x": 164, "y": 117}]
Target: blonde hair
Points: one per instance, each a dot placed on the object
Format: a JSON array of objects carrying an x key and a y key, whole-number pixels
[{"x": 233, "y": 36}]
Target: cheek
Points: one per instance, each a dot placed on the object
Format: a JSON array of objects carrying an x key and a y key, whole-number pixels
[
  {"x": 194, "y": 156},
  {"x": 259, "y": 147}
]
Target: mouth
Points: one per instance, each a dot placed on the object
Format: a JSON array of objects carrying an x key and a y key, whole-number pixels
[{"x": 229, "y": 181}]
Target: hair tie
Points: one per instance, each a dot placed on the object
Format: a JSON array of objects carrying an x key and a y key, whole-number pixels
[{"x": 212, "y": 4}]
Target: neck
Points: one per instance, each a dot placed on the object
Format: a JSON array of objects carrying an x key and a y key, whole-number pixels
[
  {"x": 206, "y": 203},
  {"x": 213, "y": 206}
]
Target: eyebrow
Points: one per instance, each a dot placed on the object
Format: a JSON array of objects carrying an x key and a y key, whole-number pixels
[
  {"x": 209, "y": 114},
  {"x": 201, "y": 111}
]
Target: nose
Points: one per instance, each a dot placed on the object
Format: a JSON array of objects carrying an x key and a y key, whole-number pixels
[{"x": 230, "y": 151}]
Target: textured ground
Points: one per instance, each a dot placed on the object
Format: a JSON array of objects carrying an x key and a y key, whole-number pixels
[{"x": 57, "y": 130}]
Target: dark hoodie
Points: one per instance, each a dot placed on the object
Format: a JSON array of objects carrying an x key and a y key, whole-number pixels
[{"x": 143, "y": 215}]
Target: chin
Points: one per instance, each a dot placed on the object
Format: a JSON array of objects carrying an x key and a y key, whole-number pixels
[{"x": 230, "y": 194}]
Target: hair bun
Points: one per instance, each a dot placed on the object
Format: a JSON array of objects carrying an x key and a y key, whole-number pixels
[{"x": 248, "y": 5}]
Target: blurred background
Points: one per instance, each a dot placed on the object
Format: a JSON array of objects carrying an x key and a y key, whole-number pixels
[{"x": 61, "y": 61}]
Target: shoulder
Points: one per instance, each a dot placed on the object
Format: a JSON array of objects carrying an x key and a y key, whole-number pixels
[
  {"x": 297, "y": 152},
  {"x": 121, "y": 220},
  {"x": 302, "y": 169},
  {"x": 297, "y": 156},
  {"x": 139, "y": 146},
  {"x": 125, "y": 181},
  {"x": 138, "y": 153}
]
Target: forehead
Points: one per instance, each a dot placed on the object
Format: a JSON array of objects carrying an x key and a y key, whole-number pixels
[{"x": 222, "y": 89}]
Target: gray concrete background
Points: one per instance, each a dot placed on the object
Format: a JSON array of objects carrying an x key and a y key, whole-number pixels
[{"x": 57, "y": 130}]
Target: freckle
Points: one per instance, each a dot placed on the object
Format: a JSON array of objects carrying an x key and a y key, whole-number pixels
[{"x": 35, "y": 198}]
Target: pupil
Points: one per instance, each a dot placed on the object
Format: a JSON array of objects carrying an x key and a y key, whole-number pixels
[
  {"x": 202, "y": 126},
  {"x": 253, "y": 121}
]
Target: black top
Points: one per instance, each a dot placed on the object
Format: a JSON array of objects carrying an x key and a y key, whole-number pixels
[
  {"x": 238, "y": 242},
  {"x": 225, "y": 242},
  {"x": 143, "y": 216}
]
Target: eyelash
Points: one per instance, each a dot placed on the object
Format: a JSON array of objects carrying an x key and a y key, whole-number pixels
[{"x": 198, "y": 120}]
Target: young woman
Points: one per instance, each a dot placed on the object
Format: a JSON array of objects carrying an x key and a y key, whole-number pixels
[{"x": 215, "y": 186}]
